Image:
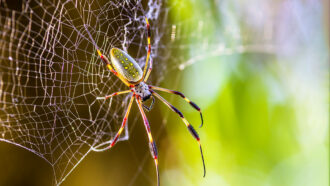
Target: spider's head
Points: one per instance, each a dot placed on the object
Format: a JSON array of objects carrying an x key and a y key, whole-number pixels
[{"x": 143, "y": 91}]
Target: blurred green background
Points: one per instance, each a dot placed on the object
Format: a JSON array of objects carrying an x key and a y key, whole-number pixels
[
  {"x": 262, "y": 81},
  {"x": 264, "y": 96}
]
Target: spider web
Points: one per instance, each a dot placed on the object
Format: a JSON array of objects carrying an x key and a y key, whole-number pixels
[{"x": 51, "y": 74}]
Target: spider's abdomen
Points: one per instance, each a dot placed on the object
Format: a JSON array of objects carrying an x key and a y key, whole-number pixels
[{"x": 126, "y": 66}]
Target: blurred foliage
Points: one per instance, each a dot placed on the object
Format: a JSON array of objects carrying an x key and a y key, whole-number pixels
[{"x": 266, "y": 111}]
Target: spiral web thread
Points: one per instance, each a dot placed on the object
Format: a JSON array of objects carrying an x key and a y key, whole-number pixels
[{"x": 51, "y": 74}]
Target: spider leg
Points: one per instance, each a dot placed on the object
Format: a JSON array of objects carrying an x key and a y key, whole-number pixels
[
  {"x": 107, "y": 63},
  {"x": 150, "y": 107},
  {"x": 123, "y": 123},
  {"x": 145, "y": 73},
  {"x": 105, "y": 59},
  {"x": 115, "y": 94},
  {"x": 183, "y": 96},
  {"x": 190, "y": 127},
  {"x": 152, "y": 144}
]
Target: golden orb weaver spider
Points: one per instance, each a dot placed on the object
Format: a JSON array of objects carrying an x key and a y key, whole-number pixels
[{"x": 129, "y": 72}]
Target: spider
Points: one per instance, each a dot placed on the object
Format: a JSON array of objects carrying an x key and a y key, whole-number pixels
[{"x": 129, "y": 72}]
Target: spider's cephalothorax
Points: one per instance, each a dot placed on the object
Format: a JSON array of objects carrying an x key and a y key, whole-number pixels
[
  {"x": 143, "y": 91},
  {"x": 129, "y": 72}
]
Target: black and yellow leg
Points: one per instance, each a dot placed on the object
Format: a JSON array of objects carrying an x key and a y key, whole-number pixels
[
  {"x": 145, "y": 73},
  {"x": 190, "y": 127},
  {"x": 183, "y": 96},
  {"x": 152, "y": 144},
  {"x": 123, "y": 123}
]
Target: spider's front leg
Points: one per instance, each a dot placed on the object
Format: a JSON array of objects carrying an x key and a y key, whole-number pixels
[{"x": 145, "y": 72}]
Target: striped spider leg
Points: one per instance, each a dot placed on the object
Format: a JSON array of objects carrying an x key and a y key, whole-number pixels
[
  {"x": 152, "y": 144},
  {"x": 183, "y": 96},
  {"x": 188, "y": 125},
  {"x": 124, "y": 122}
]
